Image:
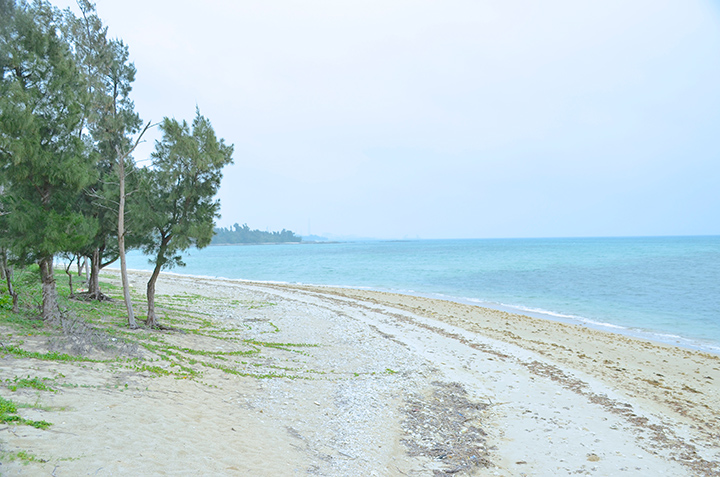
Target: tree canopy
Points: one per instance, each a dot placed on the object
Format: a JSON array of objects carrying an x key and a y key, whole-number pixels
[
  {"x": 67, "y": 132},
  {"x": 178, "y": 205},
  {"x": 44, "y": 162},
  {"x": 111, "y": 119}
]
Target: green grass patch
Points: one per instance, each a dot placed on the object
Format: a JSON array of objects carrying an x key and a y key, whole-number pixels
[
  {"x": 8, "y": 415},
  {"x": 23, "y": 456},
  {"x": 237, "y": 351},
  {"x": 6, "y": 302},
  {"x": 49, "y": 356},
  {"x": 33, "y": 383}
]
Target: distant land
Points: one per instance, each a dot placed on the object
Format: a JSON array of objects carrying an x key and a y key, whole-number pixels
[{"x": 242, "y": 234}]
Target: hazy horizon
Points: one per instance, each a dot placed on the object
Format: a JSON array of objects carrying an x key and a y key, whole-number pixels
[
  {"x": 457, "y": 119},
  {"x": 360, "y": 238}
]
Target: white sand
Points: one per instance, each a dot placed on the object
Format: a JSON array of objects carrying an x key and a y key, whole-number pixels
[{"x": 553, "y": 399}]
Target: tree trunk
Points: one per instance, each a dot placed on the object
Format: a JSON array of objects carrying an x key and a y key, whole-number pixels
[
  {"x": 69, "y": 274},
  {"x": 94, "y": 282},
  {"x": 50, "y": 307},
  {"x": 11, "y": 290},
  {"x": 3, "y": 264},
  {"x": 151, "y": 321},
  {"x": 121, "y": 244},
  {"x": 7, "y": 274}
]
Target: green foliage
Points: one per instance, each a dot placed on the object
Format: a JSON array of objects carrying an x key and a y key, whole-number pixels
[
  {"x": 34, "y": 383},
  {"x": 110, "y": 119},
  {"x": 26, "y": 457},
  {"x": 238, "y": 235},
  {"x": 177, "y": 199},
  {"x": 42, "y": 154},
  {"x": 178, "y": 192},
  {"x": 50, "y": 356},
  {"x": 8, "y": 415},
  {"x": 6, "y": 302},
  {"x": 43, "y": 159},
  {"x": 26, "y": 321}
]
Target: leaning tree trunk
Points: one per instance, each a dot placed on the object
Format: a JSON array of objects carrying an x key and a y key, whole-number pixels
[
  {"x": 151, "y": 321},
  {"x": 50, "y": 307},
  {"x": 69, "y": 274},
  {"x": 121, "y": 244}
]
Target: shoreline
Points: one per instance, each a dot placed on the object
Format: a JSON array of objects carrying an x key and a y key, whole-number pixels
[
  {"x": 655, "y": 336},
  {"x": 676, "y": 385},
  {"x": 522, "y": 330},
  {"x": 677, "y": 381},
  {"x": 278, "y": 379}
]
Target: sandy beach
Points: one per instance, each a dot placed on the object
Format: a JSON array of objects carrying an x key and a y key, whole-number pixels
[{"x": 267, "y": 379}]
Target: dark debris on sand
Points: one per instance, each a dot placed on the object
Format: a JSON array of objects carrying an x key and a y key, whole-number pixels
[
  {"x": 445, "y": 427},
  {"x": 82, "y": 339}
]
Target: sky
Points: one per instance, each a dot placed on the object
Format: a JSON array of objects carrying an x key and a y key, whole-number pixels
[{"x": 443, "y": 119}]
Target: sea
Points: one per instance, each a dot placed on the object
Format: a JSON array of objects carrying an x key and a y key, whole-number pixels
[{"x": 665, "y": 289}]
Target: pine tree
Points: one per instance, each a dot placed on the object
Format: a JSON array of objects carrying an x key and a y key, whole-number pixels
[
  {"x": 178, "y": 196},
  {"x": 43, "y": 160},
  {"x": 112, "y": 120}
]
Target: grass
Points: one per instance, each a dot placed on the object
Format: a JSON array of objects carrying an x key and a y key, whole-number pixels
[
  {"x": 33, "y": 383},
  {"x": 237, "y": 341},
  {"x": 8, "y": 415},
  {"x": 23, "y": 456},
  {"x": 205, "y": 338},
  {"x": 229, "y": 347},
  {"x": 49, "y": 356}
]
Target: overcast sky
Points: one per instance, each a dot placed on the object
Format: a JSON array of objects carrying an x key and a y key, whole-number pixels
[{"x": 444, "y": 119}]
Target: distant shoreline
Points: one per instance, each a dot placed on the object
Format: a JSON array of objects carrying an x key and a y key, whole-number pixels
[
  {"x": 272, "y": 243},
  {"x": 621, "y": 331},
  {"x": 517, "y": 277}
]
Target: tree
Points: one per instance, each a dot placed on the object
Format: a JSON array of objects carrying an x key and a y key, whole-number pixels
[
  {"x": 111, "y": 119},
  {"x": 43, "y": 159},
  {"x": 122, "y": 157},
  {"x": 178, "y": 202}
]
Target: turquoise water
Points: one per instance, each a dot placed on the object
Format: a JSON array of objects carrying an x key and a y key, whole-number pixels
[{"x": 662, "y": 288}]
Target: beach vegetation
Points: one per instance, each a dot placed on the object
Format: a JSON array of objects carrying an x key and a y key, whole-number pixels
[
  {"x": 9, "y": 301},
  {"x": 43, "y": 157},
  {"x": 176, "y": 199},
  {"x": 6, "y": 302},
  {"x": 8, "y": 415},
  {"x": 111, "y": 122},
  {"x": 33, "y": 383},
  {"x": 24, "y": 456},
  {"x": 68, "y": 129},
  {"x": 228, "y": 347},
  {"x": 49, "y": 356}
]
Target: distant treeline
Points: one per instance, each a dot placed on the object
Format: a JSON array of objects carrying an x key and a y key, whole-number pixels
[{"x": 243, "y": 234}]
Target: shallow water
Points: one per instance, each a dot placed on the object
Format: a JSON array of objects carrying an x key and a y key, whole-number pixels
[{"x": 662, "y": 288}]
